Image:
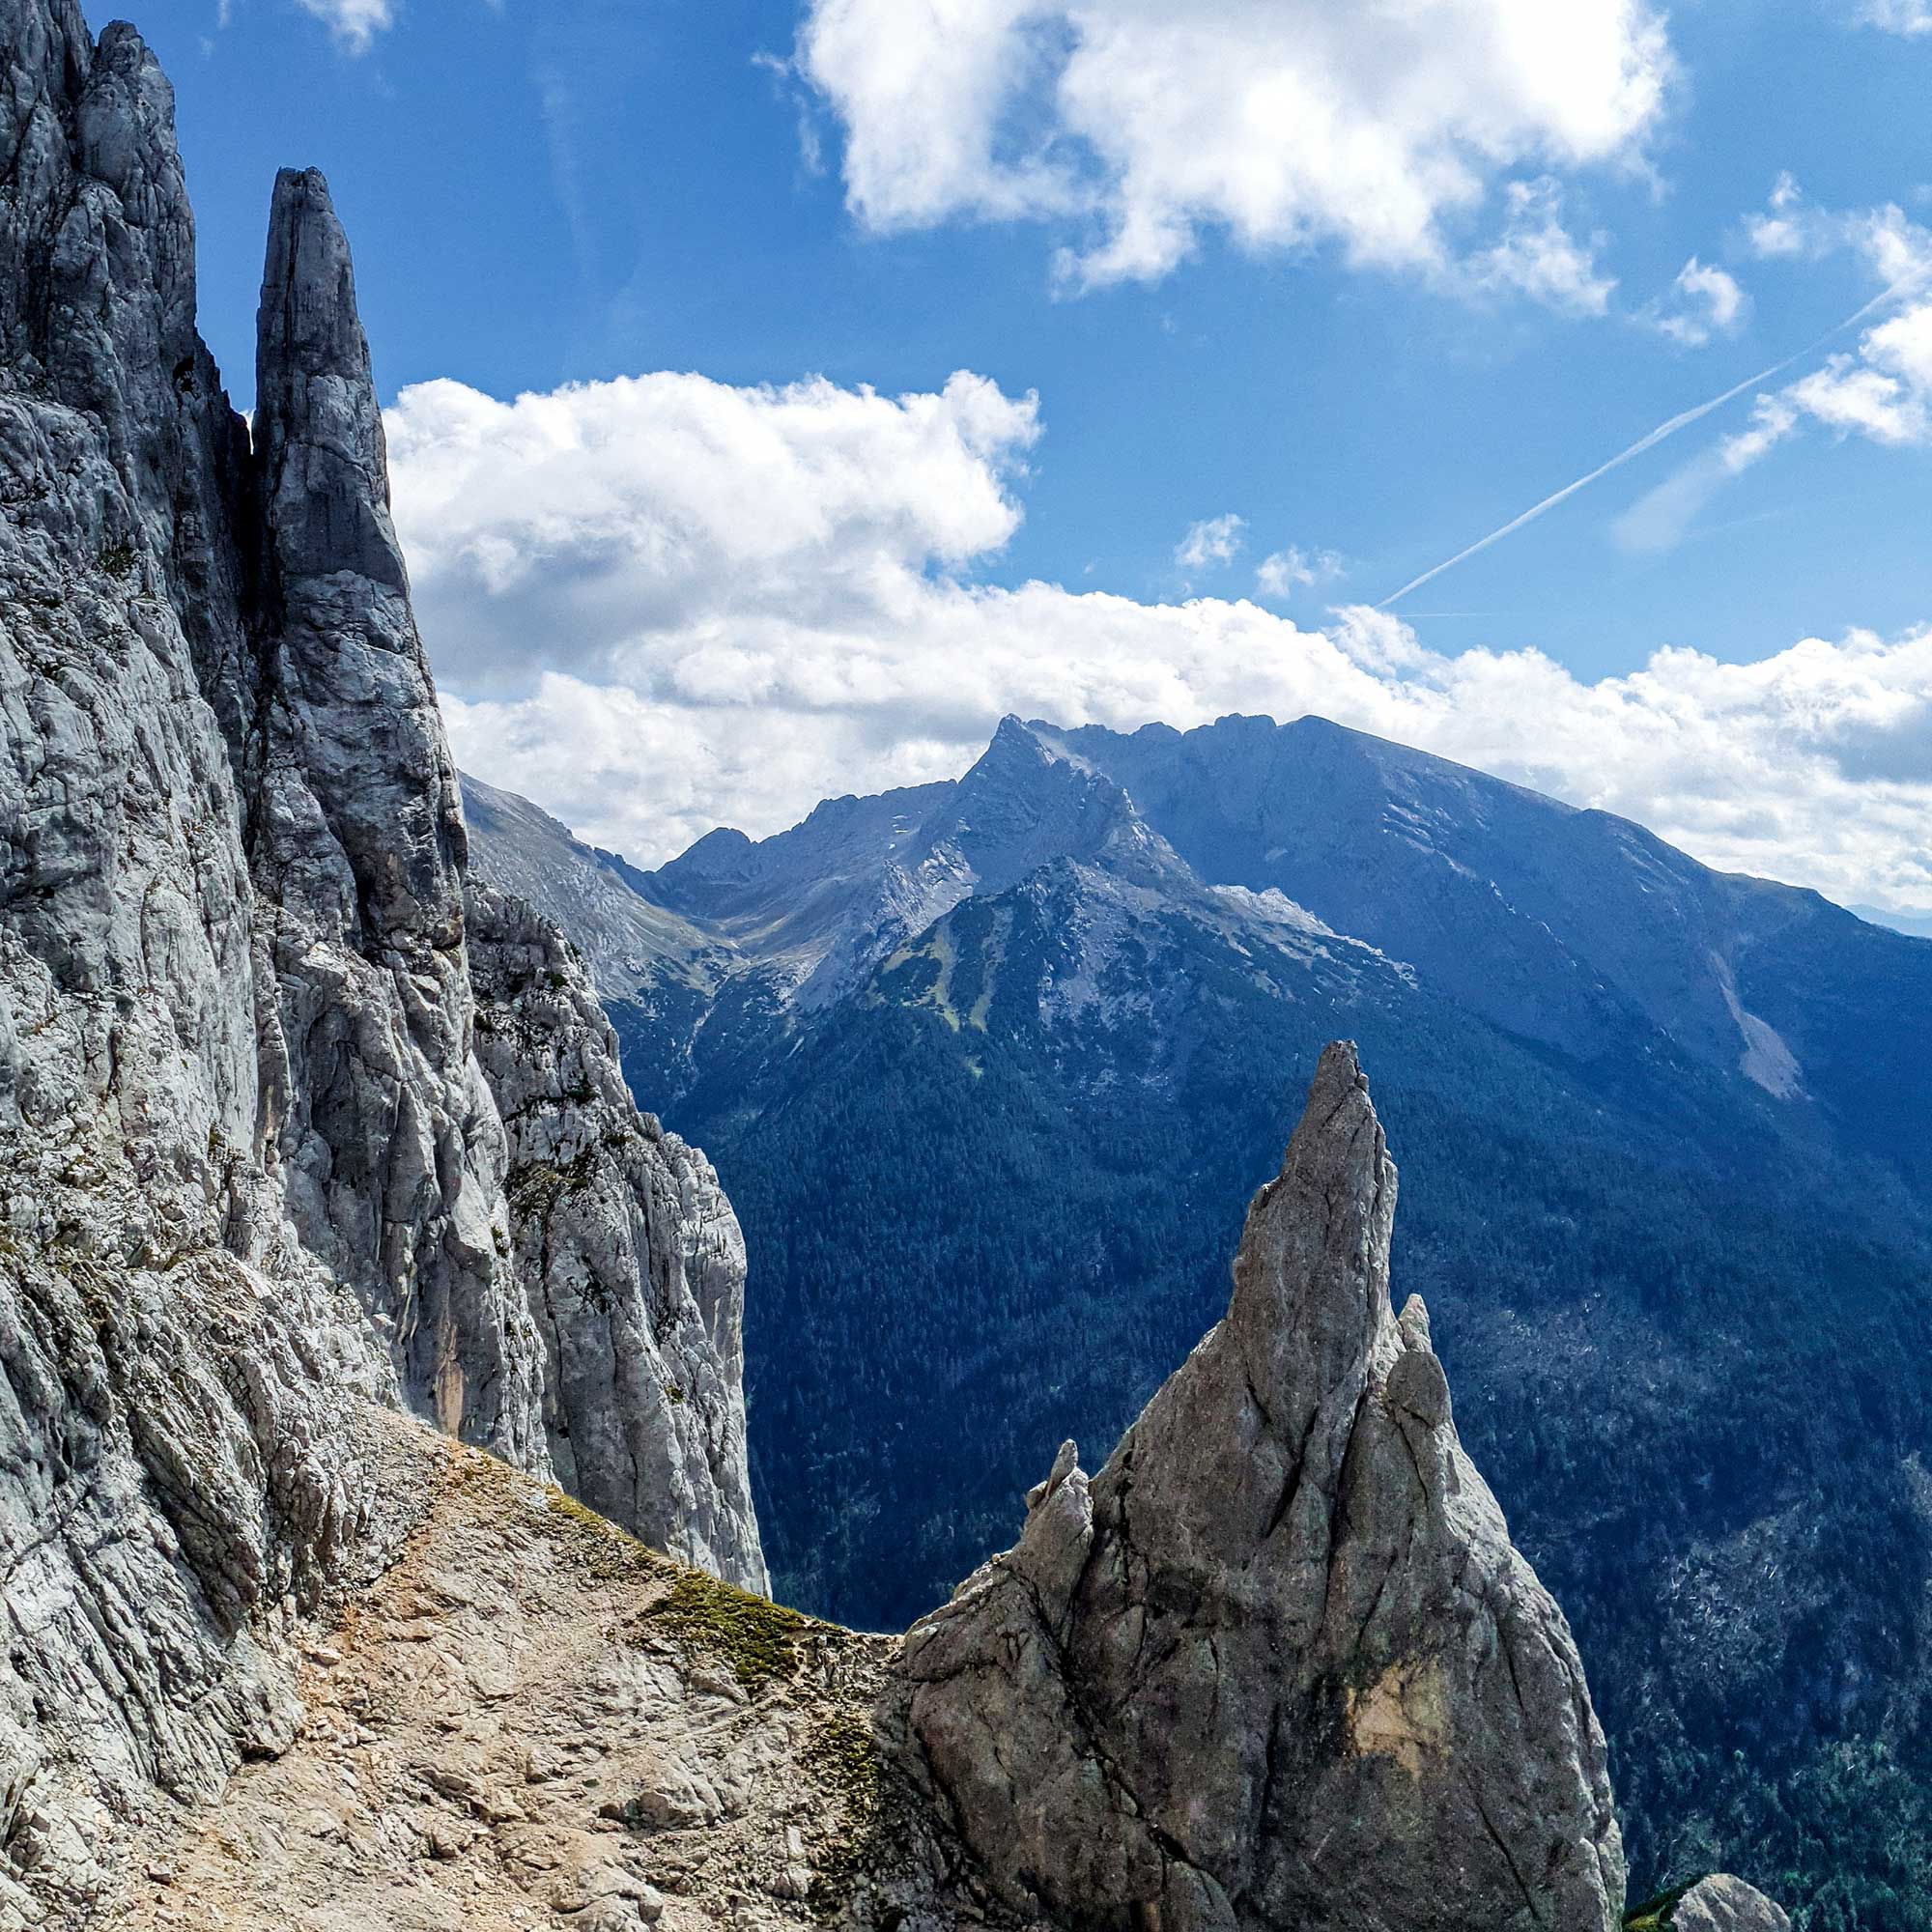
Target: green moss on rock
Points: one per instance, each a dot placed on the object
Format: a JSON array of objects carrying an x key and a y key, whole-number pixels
[
  {"x": 1657, "y": 1912},
  {"x": 758, "y": 1638}
]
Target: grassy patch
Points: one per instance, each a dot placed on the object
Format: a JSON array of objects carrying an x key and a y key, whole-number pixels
[
  {"x": 758, "y": 1638},
  {"x": 1655, "y": 1913},
  {"x": 843, "y": 1755}
]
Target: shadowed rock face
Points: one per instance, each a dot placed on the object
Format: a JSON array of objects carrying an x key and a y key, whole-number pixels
[{"x": 1278, "y": 1663}]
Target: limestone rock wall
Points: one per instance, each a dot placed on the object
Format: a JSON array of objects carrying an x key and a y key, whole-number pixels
[
  {"x": 251, "y": 1173},
  {"x": 392, "y": 1153},
  {"x": 637, "y": 1254}
]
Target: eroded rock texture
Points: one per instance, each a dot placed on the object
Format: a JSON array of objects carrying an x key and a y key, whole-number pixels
[
  {"x": 636, "y": 1251},
  {"x": 251, "y": 1172},
  {"x": 393, "y": 1154},
  {"x": 1278, "y": 1663}
]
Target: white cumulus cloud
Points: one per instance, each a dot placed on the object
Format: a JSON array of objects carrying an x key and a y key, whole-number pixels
[
  {"x": 1283, "y": 572},
  {"x": 660, "y": 605},
  {"x": 1134, "y": 125},
  {"x": 1705, "y": 301},
  {"x": 589, "y": 524},
  {"x": 1538, "y": 257}
]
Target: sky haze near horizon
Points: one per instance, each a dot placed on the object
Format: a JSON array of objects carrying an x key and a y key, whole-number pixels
[{"x": 780, "y": 392}]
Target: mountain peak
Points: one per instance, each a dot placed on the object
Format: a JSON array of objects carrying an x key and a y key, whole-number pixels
[
  {"x": 1315, "y": 1258},
  {"x": 1292, "y": 1538},
  {"x": 317, "y": 421},
  {"x": 1030, "y": 799},
  {"x": 721, "y": 854}
]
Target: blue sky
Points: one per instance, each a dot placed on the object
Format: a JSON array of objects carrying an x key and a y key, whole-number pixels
[{"x": 582, "y": 190}]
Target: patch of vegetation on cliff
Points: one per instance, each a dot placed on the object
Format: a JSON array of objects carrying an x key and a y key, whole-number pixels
[
  {"x": 1655, "y": 1912},
  {"x": 842, "y": 1754},
  {"x": 758, "y": 1638}
]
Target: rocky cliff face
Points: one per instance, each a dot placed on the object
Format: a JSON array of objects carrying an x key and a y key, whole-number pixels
[
  {"x": 1278, "y": 1663},
  {"x": 636, "y": 1251},
  {"x": 393, "y": 1156},
  {"x": 252, "y": 1172}
]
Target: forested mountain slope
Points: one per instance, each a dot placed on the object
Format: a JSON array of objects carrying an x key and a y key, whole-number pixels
[{"x": 992, "y": 1060}]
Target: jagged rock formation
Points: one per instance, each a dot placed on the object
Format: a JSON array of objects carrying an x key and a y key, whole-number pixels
[
  {"x": 251, "y": 1172},
  {"x": 636, "y": 1251},
  {"x": 393, "y": 1158},
  {"x": 1278, "y": 1663}
]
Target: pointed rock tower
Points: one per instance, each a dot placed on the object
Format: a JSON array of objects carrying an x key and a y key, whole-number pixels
[{"x": 1277, "y": 1664}]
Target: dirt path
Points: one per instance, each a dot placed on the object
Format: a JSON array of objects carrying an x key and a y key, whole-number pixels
[{"x": 530, "y": 1721}]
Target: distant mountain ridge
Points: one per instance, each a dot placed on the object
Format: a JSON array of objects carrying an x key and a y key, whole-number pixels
[
  {"x": 981, "y": 1061},
  {"x": 1573, "y": 928},
  {"x": 1917, "y": 925}
]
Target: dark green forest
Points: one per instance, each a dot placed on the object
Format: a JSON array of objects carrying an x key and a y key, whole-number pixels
[{"x": 973, "y": 1232}]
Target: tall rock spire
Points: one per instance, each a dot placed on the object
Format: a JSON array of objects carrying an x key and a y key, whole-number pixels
[
  {"x": 392, "y": 1151},
  {"x": 1278, "y": 1663},
  {"x": 343, "y": 640}
]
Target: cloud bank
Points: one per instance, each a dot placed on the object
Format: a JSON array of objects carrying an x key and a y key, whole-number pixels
[
  {"x": 1137, "y": 124},
  {"x": 663, "y": 604}
]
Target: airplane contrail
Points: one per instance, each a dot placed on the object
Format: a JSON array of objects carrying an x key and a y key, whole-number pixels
[{"x": 1682, "y": 420}]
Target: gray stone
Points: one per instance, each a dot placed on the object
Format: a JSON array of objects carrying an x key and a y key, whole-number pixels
[
  {"x": 1726, "y": 1904},
  {"x": 638, "y": 1259},
  {"x": 252, "y": 1175},
  {"x": 393, "y": 1153},
  {"x": 1278, "y": 1663}
]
